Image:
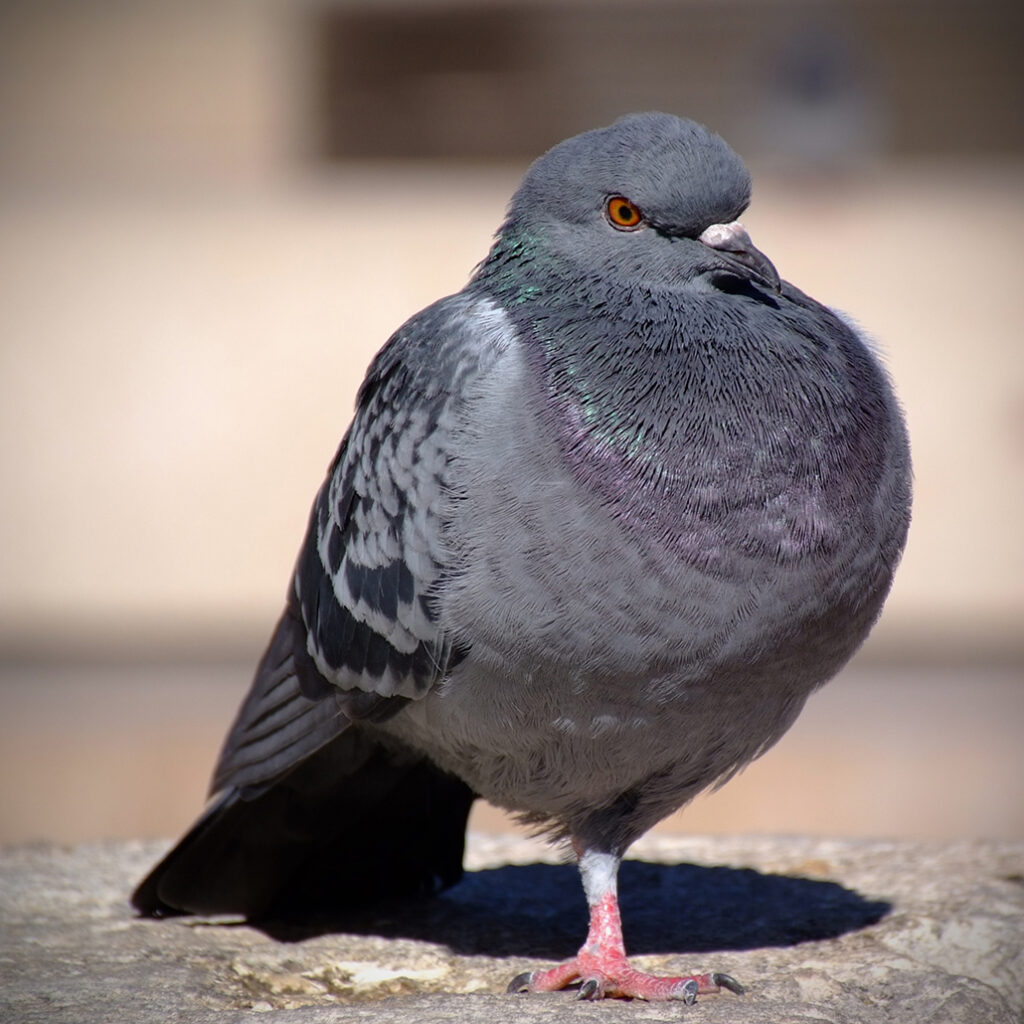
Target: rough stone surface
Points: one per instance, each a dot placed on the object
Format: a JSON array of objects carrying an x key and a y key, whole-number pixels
[{"x": 830, "y": 932}]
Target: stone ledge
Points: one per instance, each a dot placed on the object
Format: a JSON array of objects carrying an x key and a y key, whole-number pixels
[{"x": 824, "y": 931}]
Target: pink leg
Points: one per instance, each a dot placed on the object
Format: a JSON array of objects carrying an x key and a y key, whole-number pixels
[{"x": 601, "y": 965}]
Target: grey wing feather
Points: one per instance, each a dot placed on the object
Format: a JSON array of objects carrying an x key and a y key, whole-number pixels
[
  {"x": 375, "y": 547},
  {"x": 278, "y": 724},
  {"x": 359, "y": 637}
]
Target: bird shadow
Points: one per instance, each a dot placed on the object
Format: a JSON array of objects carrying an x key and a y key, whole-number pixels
[{"x": 539, "y": 910}]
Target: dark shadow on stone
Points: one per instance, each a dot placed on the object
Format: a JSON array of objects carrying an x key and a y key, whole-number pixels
[{"x": 538, "y": 910}]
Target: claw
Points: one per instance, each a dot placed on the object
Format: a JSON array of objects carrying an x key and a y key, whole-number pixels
[
  {"x": 591, "y": 989},
  {"x": 727, "y": 981},
  {"x": 521, "y": 983}
]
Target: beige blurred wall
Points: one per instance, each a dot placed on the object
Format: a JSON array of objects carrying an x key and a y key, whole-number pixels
[
  {"x": 189, "y": 295},
  {"x": 187, "y": 306},
  {"x": 122, "y": 96}
]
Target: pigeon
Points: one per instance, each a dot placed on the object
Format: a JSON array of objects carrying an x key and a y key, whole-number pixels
[{"x": 602, "y": 521}]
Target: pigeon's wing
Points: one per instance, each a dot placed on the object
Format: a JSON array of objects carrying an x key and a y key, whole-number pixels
[
  {"x": 357, "y": 641},
  {"x": 359, "y": 637}
]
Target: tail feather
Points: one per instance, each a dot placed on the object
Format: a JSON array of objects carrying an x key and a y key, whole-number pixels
[
  {"x": 312, "y": 813},
  {"x": 356, "y": 823}
]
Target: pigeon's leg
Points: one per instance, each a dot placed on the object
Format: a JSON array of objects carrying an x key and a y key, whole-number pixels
[{"x": 601, "y": 966}]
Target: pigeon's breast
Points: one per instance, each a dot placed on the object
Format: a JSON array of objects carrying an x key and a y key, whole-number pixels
[
  {"x": 601, "y": 627},
  {"x": 666, "y": 504},
  {"x": 731, "y": 441}
]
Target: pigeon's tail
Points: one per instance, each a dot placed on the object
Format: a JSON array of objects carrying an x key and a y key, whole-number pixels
[
  {"x": 312, "y": 813},
  {"x": 355, "y": 824}
]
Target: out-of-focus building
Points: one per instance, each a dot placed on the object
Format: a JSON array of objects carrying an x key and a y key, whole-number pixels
[
  {"x": 213, "y": 213},
  {"x": 249, "y": 88}
]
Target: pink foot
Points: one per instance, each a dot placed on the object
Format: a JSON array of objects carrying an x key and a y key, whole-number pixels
[
  {"x": 602, "y": 969},
  {"x": 602, "y": 976}
]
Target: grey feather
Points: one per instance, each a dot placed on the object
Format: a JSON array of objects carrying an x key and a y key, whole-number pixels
[{"x": 603, "y": 520}]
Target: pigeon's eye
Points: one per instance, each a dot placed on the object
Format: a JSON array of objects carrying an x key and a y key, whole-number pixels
[{"x": 623, "y": 214}]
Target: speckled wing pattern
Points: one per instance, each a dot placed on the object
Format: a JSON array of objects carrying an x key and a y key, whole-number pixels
[
  {"x": 374, "y": 546},
  {"x": 359, "y": 636}
]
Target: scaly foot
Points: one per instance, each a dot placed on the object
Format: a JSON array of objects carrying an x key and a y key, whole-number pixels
[
  {"x": 612, "y": 975},
  {"x": 601, "y": 966}
]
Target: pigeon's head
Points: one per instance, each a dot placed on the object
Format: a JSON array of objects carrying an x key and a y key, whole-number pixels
[{"x": 652, "y": 197}]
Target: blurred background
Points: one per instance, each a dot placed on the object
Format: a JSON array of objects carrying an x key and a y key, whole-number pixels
[{"x": 213, "y": 213}]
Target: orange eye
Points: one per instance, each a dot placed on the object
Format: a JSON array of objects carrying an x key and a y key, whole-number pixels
[{"x": 622, "y": 213}]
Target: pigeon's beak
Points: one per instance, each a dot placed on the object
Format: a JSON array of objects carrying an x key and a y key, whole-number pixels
[{"x": 737, "y": 250}]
